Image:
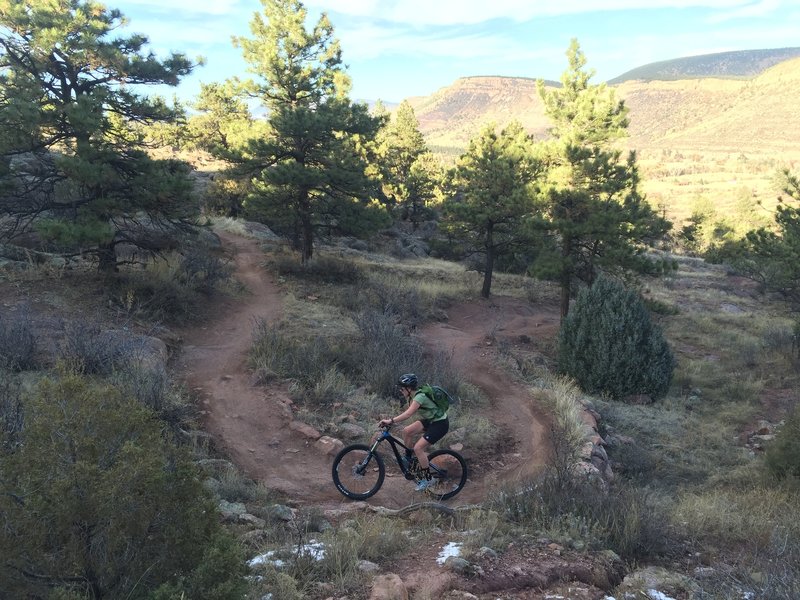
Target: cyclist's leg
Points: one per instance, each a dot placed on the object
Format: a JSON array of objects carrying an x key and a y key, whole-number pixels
[
  {"x": 433, "y": 433},
  {"x": 410, "y": 432},
  {"x": 419, "y": 450}
]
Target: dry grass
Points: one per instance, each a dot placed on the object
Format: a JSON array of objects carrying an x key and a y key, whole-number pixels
[{"x": 562, "y": 399}]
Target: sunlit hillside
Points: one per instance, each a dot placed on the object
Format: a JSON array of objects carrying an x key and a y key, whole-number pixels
[{"x": 712, "y": 139}]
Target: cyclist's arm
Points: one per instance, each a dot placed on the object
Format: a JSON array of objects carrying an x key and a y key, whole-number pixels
[{"x": 412, "y": 408}]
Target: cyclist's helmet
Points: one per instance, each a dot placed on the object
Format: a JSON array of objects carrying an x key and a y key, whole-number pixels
[{"x": 408, "y": 380}]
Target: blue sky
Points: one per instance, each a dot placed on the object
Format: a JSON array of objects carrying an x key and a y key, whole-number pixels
[{"x": 401, "y": 48}]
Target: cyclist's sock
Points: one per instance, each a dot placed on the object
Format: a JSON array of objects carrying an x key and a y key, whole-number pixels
[{"x": 425, "y": 474}]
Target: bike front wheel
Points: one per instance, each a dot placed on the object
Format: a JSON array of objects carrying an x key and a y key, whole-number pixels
[
  {"x": 449, "y": 473},
  {"x": 358, "y": 472}
]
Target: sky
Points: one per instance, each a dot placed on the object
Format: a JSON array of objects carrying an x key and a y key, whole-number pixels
[{"x": 396, "y": 49}]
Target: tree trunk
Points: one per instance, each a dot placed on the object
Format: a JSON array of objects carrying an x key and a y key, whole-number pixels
[
  {"x": 307, "y": 248},
  {"x": 565, "y": 291},
  {"x": 489, "y": 268},
  {"x": 566, "y": 276},
  {"x": 107, "y": 257},
  {"x": 307, "y": 228}
]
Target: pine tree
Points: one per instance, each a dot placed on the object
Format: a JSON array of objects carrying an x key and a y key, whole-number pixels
[
  {"x": 596, "y": 216},
  {"x": 310, "y": 171},
  {"x": 223, "y": 126},
  {"x": 76, "y": 167},
  {"x": 771, "y": 255},
  {"x": 609, "y": 344},
  {"x": 409, "y": 171},
  {"x": 492, "y": 194}
]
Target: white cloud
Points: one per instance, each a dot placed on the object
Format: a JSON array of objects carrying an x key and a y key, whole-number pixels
[
  {"x": 376, "y": 43},
  {"x": 204, "y": 7},
  {"x": 194, "y": 35},
  {"x": 460, "y": 12},
  {"x": 750, "y": 10}
]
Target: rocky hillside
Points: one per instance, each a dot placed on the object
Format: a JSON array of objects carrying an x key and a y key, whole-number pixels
[
  {"x": 718, "y": 113},
  {"x": 692, "y": 135}
]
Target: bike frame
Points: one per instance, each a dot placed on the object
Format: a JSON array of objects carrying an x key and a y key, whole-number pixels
[{"x": 394, "y": 443}]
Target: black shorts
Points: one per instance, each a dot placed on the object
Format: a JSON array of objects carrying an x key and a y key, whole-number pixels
[{"x": 435, "y": 430}]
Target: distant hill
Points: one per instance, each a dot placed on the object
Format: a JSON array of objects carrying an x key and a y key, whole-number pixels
[
  {"x": 720, "y": 138},
  {"x": 737, "y": 64}
]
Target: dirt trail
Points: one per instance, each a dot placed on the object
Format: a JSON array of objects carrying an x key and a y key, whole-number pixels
[{"x": 251, "y": 423}]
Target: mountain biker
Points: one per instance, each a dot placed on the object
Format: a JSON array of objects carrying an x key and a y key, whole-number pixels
[{"x": 433, "y": 427}]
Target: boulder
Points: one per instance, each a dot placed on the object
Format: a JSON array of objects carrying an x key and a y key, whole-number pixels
[
  {"x": 388, "y": 587},
  {"x": 328, "y": 445}
]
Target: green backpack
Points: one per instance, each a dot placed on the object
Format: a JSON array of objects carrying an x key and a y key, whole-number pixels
[{"x": 440, "y": 398}]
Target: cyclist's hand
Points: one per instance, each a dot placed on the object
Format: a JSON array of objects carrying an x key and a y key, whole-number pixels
[{"x": 385, "y": 423}]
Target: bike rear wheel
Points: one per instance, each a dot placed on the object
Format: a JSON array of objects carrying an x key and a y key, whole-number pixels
[
  {"x": 357, "y": 472},
  {"x": 449, "y": 473}
]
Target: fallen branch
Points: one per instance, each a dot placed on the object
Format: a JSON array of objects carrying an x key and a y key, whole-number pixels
[{"x": 433, "y": 506}]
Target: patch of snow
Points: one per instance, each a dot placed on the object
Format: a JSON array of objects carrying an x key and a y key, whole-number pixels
[
  {"x": 656, "y": 595},
  {"x": 451, "y": 549},
  {"x": 314, "y": 549}
]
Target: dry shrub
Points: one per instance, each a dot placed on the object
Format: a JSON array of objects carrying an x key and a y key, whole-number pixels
[
  {"x": 204, "y": 271},
  {"x": 481, "y": 436},
  {"x": 486, "y": 528},
  {"x": 89, "y": 350},
  {"x": 626, "y": 520},
  {"x": 374, "y": 538},
  {"x": 386, "y": 350},
  {"x": 171, "y": 289},
  {"x": 756, "y": 528},
  {"x": 783, "y": 454},
  {"x": 11, "y": 413},
  {"x": 17, "y": 342},
  {"x": 275, "y": 354},
  {"x": 330, "y": 388},
  {"x": 236, "y": 487},
  {"x": 390, "y": 298},
  {"x": 321, "y": 269},
  {"x": 562, "y": 398}
]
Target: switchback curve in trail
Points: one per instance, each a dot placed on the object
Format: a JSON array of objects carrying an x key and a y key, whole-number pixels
[{"x": 253, "y": 425}]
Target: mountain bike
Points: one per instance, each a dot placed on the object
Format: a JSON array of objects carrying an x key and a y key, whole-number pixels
[{"x": 358, "y": 470}]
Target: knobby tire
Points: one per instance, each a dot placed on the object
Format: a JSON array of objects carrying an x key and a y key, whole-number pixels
[
  {"x": 449, "y": 471},
  {"x": 357, "y": 472}
]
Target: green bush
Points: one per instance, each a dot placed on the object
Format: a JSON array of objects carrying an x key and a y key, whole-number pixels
[
  {"x": 609, "y": 344},
  {"x": 783, "y": 454},
  {"x": 97, "y": 502}
]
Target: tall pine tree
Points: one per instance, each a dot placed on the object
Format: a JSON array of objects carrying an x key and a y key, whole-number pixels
[
  {"x": 74, "y": 162},
  {"x": 409, "y": 172},
  {"x": 492, "y": 195},
  {"x": 595, "y": 214},
  {"x": 309, "y": 172}
]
